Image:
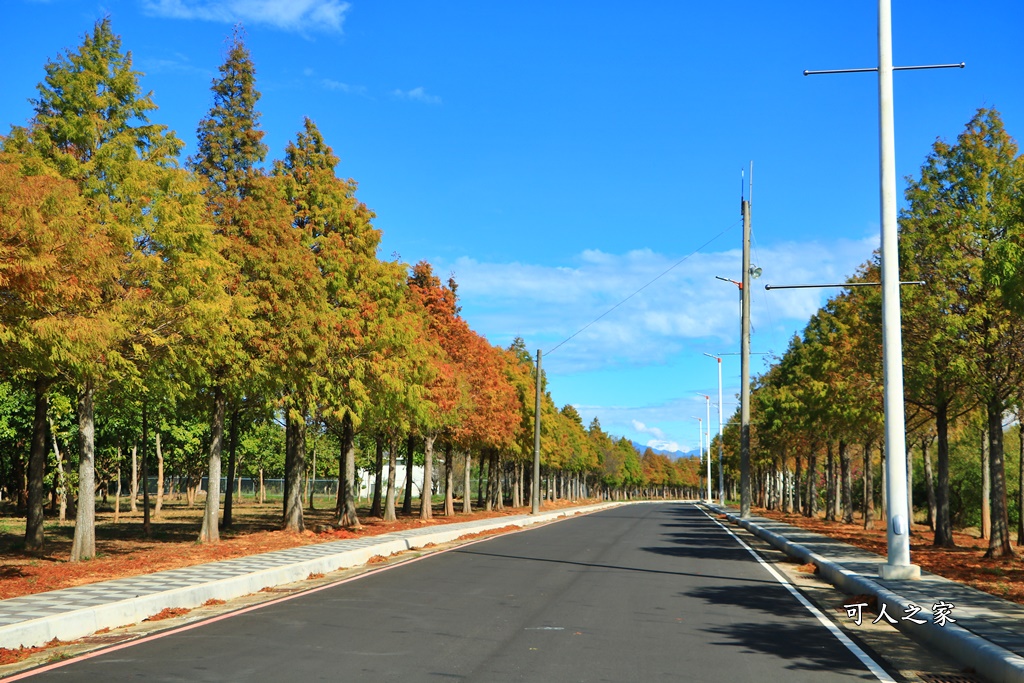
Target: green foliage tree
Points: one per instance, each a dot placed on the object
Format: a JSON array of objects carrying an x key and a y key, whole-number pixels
[
  {"x": 967, "y": 199},
  {"x": 91, "y": 127}
]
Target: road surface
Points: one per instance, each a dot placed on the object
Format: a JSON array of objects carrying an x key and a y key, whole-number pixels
[{"x": 646, "y": 592}]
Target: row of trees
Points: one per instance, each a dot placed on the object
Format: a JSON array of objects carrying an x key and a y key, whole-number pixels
[
  {"x": 962, "y": 234},
  {"x": 143, "y": 303}
]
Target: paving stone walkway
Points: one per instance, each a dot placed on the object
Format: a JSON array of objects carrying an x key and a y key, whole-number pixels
[{"x": 996, "y": 620}]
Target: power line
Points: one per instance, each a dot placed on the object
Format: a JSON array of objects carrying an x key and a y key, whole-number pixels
[{"x": 667, "y": 271}]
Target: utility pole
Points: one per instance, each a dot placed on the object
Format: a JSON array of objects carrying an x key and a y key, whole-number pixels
[
  {"x": 721, "y": 476},
  {"x": 897, "y": 564},
  {"x": 745, "y": 361},
  {"x": 700, "y": 443},
  {"x": 707, "y": 430},
  {"x": 898, "y": 531},
  {"x": 707, "y": 433},
  {"x": 535, "y": 508}
]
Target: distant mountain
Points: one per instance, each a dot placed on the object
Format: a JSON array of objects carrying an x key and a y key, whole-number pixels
[{"x": 640, "y": 448}]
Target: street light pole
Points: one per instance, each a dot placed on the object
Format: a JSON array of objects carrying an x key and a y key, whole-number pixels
[
  {"x": 707, "y": 432},
  {"x": 535, "y": 507},
  {"x": 721, "y": 475},
  {"x": 898, "y": 530},
  {"x": 897, "y": 564},
  {"x": 745, "y": 366},
  {"x": 700, "y": 440}
]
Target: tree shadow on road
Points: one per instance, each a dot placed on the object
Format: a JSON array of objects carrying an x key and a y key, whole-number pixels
[
  {"x": 597, "y": 565},
  {"x": 787, "y": 631}
]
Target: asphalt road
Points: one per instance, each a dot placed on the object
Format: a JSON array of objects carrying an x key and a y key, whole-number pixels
[{"x": 652, "y": 592}]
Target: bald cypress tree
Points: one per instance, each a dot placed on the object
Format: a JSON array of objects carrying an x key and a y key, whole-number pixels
[
  {"x": 91, "y": 127},
  {"x": 961, "y": 211},
  {"x": 231, "y": 147},
  {"x": 227, "y": 160}
]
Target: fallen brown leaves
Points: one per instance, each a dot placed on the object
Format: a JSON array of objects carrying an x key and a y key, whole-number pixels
[
  {"x": 15, "y": 655},
  {"x": 168, "y": 613},
  {"x": 489, "y": 532},
  {"x": 965, "y": 563}
]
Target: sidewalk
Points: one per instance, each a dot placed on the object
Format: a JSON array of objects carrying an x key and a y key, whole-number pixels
[
  {"x": 988, "y": 633},
  {"x": 72, "y": 613}
]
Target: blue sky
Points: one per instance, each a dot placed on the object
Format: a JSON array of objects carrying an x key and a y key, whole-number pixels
[{"x": 557, "y": 156}]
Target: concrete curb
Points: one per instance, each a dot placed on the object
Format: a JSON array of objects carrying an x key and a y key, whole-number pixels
[
  {"x": 988, "y": 659},
  {"x": 86, "y": 621}
]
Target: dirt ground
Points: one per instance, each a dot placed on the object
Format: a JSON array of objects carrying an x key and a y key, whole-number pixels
[
  {"x": 965, "y": 563},
  {"x": 123, "y": 550}
]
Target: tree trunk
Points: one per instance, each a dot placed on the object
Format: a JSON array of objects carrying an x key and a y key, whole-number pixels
[
  {"x": 797, "y": 488},
  {"x": 61, "y": 488},
  {"x": 410, "y": 447},
  {"x": 232, "y": 448},
  {"x": 1020, "y": 481},
  {"x": 999, "y": 542},
  {"x": 869, "y": 488},
  {"x": 885, "y": 493},
  {"x": 389, "y": 505},
  {"x": 986, "y": 485},
  {"x": 347, "y": 486},
  {"x": 929, "y": 481},
  {"x": 295, "y": 467},
  {"x": 135, "y": 477},
  {"x": 787, "y": 484},
  {"x": 146, "y": 528},
  {"x": 812, "y": 486},
  {"x": 375, "y": 508},
  {"x": 480, "y": 493},
  {"x": 492, "y": 477},
  {"x": 34, "y": 519},
  {"x": 209, "y": 532},
  {"x": 830, "y": 484},
  {"x": 516, "y": 502},
  {"x": 117, "y": 496},
  {"x": 943, "y": 520},
  {"x": 467, "y": 485},
  {"x": 159, "y": 476},
  {"x": 83, "y": 547},
  {"x": 449, "y": 482},
  {"x": 846, "y": 480},
  {"x": 910, "y": 491},
  {"x": 426, "y": 500},
  {"x": 311, "y": 482}
]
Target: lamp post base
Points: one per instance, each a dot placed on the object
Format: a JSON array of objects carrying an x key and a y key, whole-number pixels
[{"x": 899, "y": 571}]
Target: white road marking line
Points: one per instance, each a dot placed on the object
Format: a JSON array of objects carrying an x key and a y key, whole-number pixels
[{"x": 865, "y": 659}]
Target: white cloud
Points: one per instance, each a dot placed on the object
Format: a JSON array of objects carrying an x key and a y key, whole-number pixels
[
  {"x": 288, "y": 15},
  {"x": 416, "y": 95},
  {"x": 331, "y": 84},
  {"x": 676, "y": 430},
  {"x": 178, "y": 63},
  {"x": 665, "y": 446},
  {"x": 685, "y": 308},
  {"x": 644, "y": 429}
]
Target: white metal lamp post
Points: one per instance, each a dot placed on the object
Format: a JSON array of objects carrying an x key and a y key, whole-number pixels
[
  {"x": 707, "y": 433},
  {"x": 721, "y": 476},
  {"x": 897, "y": 564},
  {"x": 700, "y": 437}
]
